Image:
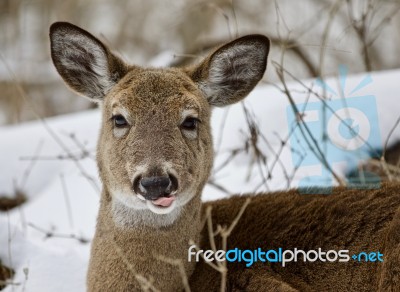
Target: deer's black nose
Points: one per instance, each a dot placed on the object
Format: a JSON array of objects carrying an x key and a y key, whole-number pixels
[{"x": 154, "y": 187}]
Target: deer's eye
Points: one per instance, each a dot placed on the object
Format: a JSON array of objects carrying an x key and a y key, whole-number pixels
[
  {"x": 119, "y": 121},
  {"x": 190, "y": 124}
]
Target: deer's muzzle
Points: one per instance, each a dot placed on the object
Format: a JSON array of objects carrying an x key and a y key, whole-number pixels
[{"x": 155, "y": 187}]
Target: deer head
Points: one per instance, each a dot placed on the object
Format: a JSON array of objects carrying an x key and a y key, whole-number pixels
[{"x": 155, "y": 149}]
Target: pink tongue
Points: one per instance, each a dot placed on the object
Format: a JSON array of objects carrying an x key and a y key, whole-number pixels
[{"x": 164, "y": 201}]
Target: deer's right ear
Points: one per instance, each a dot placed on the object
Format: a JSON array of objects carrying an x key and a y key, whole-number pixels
[{"x": 85, "y": 64}]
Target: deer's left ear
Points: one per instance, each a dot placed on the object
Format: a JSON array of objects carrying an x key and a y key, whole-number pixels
[{"x": 233, "y": 70}]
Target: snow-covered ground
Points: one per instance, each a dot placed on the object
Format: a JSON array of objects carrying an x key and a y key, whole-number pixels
[{"x": 53, "y": 163}]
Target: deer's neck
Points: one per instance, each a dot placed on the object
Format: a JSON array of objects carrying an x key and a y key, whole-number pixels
[{"x": 139, "y": 242}]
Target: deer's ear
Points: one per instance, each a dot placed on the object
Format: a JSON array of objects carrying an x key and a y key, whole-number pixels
[
  {"x": 232, "y": 71},
  {"x": 85, "y": 64}
]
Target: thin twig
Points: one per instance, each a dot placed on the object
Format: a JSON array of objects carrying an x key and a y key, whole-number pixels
[
  {"x": 52, "y": 234},
  {"x": 177, "y": 263}
]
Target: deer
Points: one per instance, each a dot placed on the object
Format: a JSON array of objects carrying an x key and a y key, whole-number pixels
[{"x": 154, "y": 157}]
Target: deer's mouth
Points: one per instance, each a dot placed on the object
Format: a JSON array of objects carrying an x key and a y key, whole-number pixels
[
  {"x": 164, "y": 201},
  {"x": 162, "y": 205}
]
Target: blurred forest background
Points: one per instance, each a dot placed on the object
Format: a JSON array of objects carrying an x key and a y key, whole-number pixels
[{"x": 309, "y": 39}]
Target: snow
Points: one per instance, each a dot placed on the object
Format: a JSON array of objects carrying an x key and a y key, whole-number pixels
[{"x": 64, "y": 193}]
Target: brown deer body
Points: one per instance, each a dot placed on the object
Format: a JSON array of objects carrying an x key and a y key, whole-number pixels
[
  {"x": 155, "y": 155},
  {"x": 354, "y": 220}
]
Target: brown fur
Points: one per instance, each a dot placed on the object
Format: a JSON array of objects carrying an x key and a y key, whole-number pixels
[
  {"x": 121, "y": 258},
  {"x": 357, "y": 220},
  {"x": 134, "y": 244}
]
